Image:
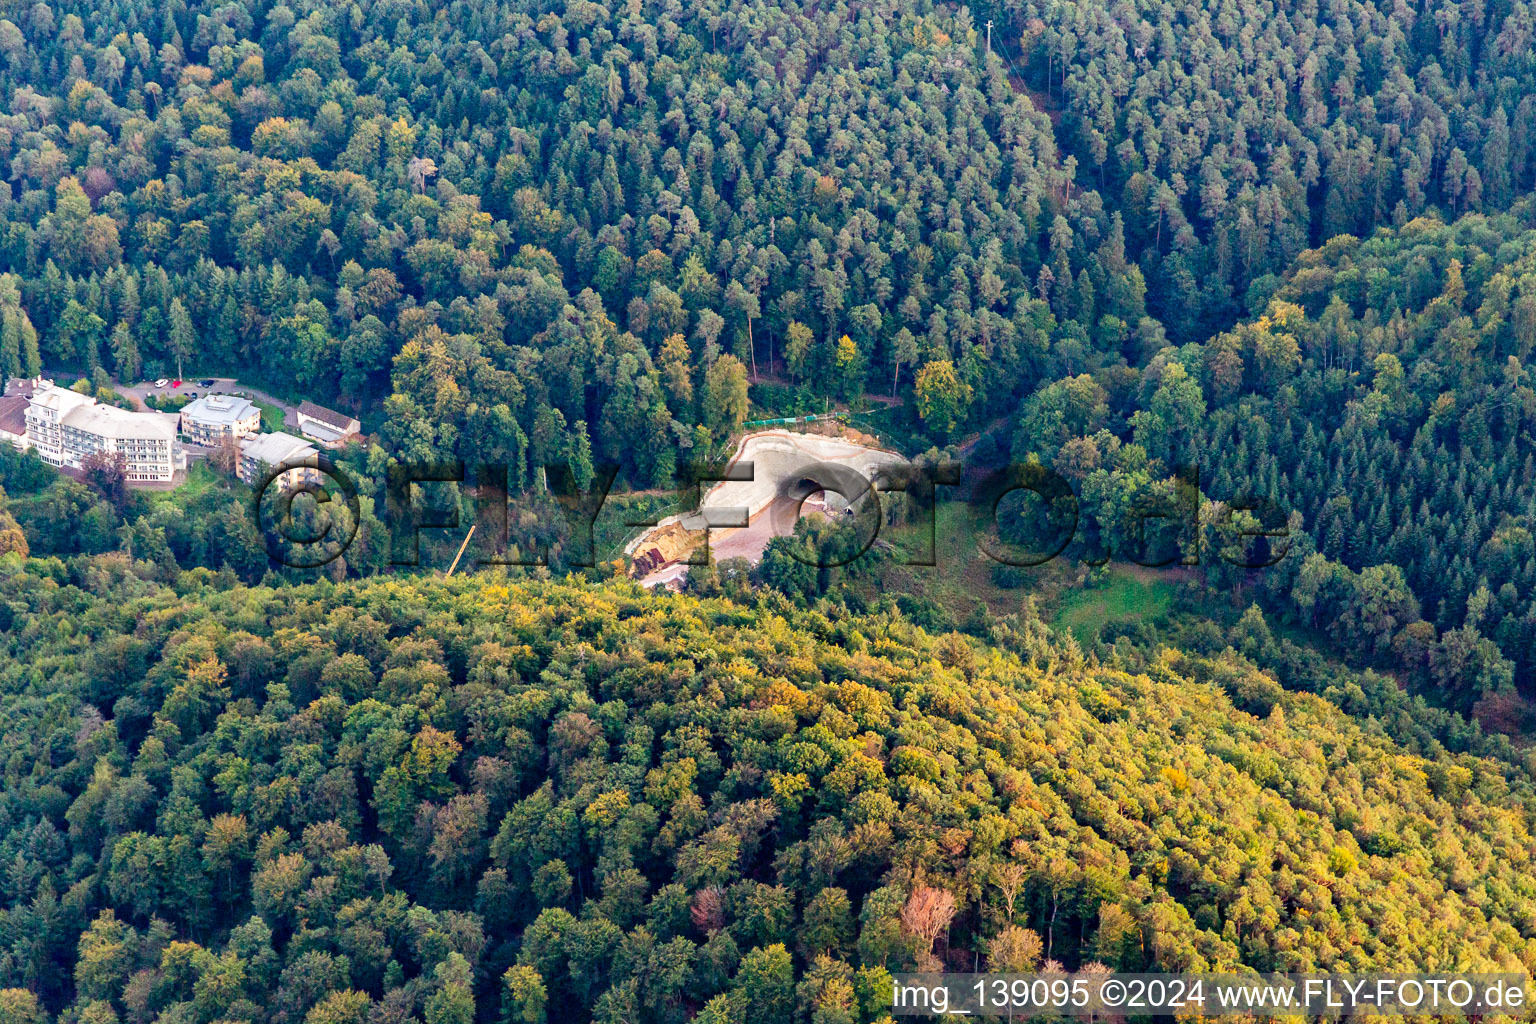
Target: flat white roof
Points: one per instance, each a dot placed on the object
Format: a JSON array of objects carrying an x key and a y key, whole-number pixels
[
  {"x": 275, "y": 449},
  {"x": 219, "y": 409}
]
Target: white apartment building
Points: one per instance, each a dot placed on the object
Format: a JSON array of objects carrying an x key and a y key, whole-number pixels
[
  {"x": 213, "y": 419},
  {"x": 65, "y": 427},
  {"x": 262, "y": 453}
]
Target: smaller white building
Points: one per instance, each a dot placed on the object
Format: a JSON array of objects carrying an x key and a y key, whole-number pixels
[
  {"x": 327, "y": 426},
  {"x": 215, "y": 419},
  {"x": 261, "y": 454}
]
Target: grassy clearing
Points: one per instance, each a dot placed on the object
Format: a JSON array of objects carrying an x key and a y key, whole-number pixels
[
  {"x": 272, "y": 418},
  {"x": 964, "y": 575},
  {"x": 201, "y": 478},
  {"x": 1129, "y": 594}
]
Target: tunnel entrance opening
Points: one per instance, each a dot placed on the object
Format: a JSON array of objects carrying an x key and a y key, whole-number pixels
[{"x": 805, "y": 487}]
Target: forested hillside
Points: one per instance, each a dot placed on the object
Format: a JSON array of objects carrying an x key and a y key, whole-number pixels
[
  {"x": 532, "y": 224},
  {"x": 1385, "y": 400},
  {"x": 473, "y": 799},
  {"x": 1426, "y": 465},
  {"x": 1291, "y": 246},
  {"x": 531, "y": 235},
  {"x": 1233, "y": 135}
]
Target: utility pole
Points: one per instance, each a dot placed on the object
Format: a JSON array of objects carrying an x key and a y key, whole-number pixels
[{"x": 989, "y": 35}]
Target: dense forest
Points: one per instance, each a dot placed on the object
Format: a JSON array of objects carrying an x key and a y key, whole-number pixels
[
  {"x": 1384, "y": 401},
  {"x": 594, "y": 225},
  {"x": 1284, "y": 255},
  {"x": 487, "y": 800},
  {"x": 1234, "y": 135},
  {"x": 586, "y": 238}
]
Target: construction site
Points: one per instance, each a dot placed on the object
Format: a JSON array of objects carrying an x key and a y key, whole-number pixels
[{"x": 793, "y": 474}]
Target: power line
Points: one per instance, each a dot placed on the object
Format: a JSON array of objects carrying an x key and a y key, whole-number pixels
[{"x": 1017, "y": 73}]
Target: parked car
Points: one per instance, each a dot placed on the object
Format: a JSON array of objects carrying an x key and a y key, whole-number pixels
[
  {"x": 162, "y": 382},
  {"x": 207, "y": 382}
]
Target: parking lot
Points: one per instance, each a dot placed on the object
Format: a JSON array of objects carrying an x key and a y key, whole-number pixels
[{"x": 195, "y": 388}]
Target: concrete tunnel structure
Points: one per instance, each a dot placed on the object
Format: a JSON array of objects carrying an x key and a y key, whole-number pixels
[{"x": 787, "y": 467}]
